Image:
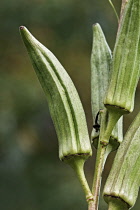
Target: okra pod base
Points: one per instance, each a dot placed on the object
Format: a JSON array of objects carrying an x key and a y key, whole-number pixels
[
  {"x": 116, "y": 203},
  {"x": 114, "y": 114},
  {"x": 72, "y": 157},
  {"x": 113, "y": 143},
  {"x": 117, "y": 109},
  {"x": 116, "y": 136}
]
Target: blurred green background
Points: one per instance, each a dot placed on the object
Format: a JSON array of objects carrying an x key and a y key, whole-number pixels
[{"x": 31, "y": 175}]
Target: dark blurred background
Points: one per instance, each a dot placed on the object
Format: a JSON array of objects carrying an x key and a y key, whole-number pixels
[{"x": 31, "y": 174}]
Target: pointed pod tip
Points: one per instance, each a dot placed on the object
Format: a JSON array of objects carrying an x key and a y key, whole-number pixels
[
  {"x": 95, "y": 24},
  {"x": 25, "y": 34},
  {"x": 21, "y": 27}
]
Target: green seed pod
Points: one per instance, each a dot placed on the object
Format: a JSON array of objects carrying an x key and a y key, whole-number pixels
[
  {"x": 100, "y": 75},
  {"x": 124, "y": 179},
  {"x": 125, "y": 71},
  {"x": 63, "y": 100},
  {"x": 125, "y": 67},
  {"x": 65, "y": 107}
]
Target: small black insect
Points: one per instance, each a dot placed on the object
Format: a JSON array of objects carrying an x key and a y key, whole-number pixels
[{"x": 96, "y": 125}]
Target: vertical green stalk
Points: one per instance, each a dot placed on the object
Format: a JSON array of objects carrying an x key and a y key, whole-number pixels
[
  {"x": 100, "y": 159},
  {"x": 102, "y": 152}
]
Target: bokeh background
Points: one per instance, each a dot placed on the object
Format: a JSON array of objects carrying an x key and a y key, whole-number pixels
[{"x": 31, "y": 174}]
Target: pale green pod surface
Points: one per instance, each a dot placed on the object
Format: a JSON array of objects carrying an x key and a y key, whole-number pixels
[
  {"x": 100, "y": 75},
  {"x": 124, "y": 179},
  {"x": 125, "y": 68},
  {"x": 63, "y": 100},
  {"x": 125, "y": 71}
]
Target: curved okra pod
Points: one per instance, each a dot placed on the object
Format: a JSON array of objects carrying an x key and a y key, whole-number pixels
[
  {"x": 100, "y": 75},
  {"x": 124, "y": 67},
  {"x": 123, "y": 182},
  {"x": 64, "y": 104}
]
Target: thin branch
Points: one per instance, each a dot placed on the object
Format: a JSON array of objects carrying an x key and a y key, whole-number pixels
[
  {"x": 100, "y": 160},
  {"x": 112, "y": 5},
  {"x": 78, "y": 166}
]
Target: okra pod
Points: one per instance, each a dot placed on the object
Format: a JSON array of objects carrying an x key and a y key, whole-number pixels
[
  {"x": 124, "y": 178},
  {"x": 125, "y": 71},
  {"x": 101, "y": 57},
  {"x": 65, "y": 107},
  {"x": 63, "y": 100}
]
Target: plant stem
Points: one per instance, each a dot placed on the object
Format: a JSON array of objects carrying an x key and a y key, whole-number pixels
[
  {"x": 78, "y": 166},
  {"x": 124, "y": 2},
  {"x": 107, "y": 124},
  {"x": 100, "y": 159},
  {"x": 90, "y": 205},
  {"x": 109, "y": 119},
  {"x": 123, "y": 6}
]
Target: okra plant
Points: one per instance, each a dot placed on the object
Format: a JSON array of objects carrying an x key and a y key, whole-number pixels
[{"x": 114, "y": 78}]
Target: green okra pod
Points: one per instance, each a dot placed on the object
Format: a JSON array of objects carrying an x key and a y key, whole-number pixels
[
  {"x": 119, "y": 99},
  {"x": 101, "y": 57},
  {"x": 64, "y": 104},
  {"x": 124, "y": 178}
]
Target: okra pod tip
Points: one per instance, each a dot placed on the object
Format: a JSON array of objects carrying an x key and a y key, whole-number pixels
[{"x": 21, "y": 27}]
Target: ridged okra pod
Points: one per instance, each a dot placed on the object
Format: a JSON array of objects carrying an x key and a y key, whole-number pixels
[
  {"x": 124, "y": 67},
  {"x": 64, "y": 104},
  {"x": 124, "y": 178},
  {"x": 101, "y": 57}
]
